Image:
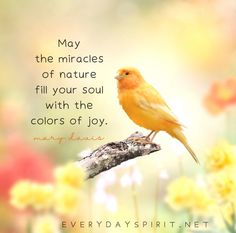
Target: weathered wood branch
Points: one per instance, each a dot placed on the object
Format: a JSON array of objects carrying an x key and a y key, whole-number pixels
[{"x": 114, "y": 153}]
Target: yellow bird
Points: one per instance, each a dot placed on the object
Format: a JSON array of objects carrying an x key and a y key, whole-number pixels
[{"x": 145, "y": 106}]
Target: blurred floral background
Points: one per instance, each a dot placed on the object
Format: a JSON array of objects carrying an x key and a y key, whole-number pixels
[{"x": 185, "y": 48}]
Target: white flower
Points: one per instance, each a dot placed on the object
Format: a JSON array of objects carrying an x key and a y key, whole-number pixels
[
  {"x": 108, "y": 200},
  {"x": 137, "y": 177},
  {"x": 101, "y": 196},
  {"x": 106, "y": 179},
  {"x": 111, "y": 203},
  {"x": 126, "y": 180},
  {"x": 134, "y": 177},
  {"x": 163, "y": 174},
  {"x": 110, "y": 177}
]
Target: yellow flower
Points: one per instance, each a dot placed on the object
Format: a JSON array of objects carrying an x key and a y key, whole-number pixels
[
  {"x": 70, "y": 174},
  {"x": 67, "y": 200},
  {"x": 224, "y": 186},
  {"x": 29, "y": 194},
  {"x": 21, "y": 194},
  {"x": 42, "y": 196},
  {"x": 184, "y": 194},
  {"x": 46, "y": 224},
  {"x": 223, "y": 155},
  {"x": 201, "y": 204},
  {"x": 179, "y": 193}
]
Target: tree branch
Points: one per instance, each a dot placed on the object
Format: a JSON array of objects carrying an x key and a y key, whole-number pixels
[{"x": 114, "y": 153}]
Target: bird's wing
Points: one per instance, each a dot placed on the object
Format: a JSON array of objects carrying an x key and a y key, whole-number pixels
[{"x": 150, "y": 99}]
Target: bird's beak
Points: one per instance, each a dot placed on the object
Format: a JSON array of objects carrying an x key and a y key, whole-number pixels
[{"x": 119, "y": 77}]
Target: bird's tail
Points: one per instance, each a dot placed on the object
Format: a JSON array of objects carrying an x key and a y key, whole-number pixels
[{"x": 178, "y": 134}]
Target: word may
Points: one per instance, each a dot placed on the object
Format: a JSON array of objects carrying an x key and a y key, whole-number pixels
[{"x": 69, "y": 43}]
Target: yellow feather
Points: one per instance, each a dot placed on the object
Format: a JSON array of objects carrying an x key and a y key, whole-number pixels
[{"x": 145, "y": 106}]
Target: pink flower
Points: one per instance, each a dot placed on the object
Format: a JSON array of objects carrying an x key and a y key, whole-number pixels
[
  {"x": 22, "y": 161},
  {"x": 221, "y": 96}
]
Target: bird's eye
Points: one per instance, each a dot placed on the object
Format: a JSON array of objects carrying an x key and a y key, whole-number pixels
[{"x": 126, "y": 73}]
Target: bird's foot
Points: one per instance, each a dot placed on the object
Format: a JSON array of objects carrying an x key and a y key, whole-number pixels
[
  {"x": 151, "y": 136},
  {"x": 143, "y": 140}
]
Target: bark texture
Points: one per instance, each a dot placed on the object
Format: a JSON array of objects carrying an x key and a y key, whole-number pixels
[{"x": 112, "y": 154}]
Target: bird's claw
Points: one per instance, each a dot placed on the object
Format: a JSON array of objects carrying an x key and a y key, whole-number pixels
[{"x": 143, "y": 140}]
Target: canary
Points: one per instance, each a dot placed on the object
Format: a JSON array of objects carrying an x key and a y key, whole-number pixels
[{"x": 145, "y": 107}]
